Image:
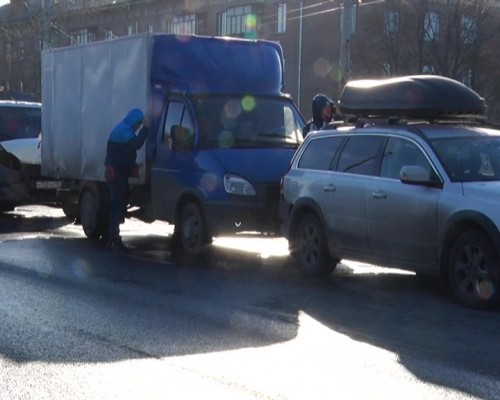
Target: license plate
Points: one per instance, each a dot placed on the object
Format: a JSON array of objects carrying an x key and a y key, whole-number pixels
[{"x": 48, "y": 184}]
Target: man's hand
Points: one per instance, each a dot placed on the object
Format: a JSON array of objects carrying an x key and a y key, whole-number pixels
[{"x": 136, "y": 171}]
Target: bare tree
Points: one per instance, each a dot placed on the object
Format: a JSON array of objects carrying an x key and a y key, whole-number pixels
[
  {"x": 453, "y": 38},
  {"x": 27, "y": 27}
]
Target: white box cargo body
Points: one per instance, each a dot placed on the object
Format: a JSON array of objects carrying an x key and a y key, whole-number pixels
[{"x": 86, "y": 90}]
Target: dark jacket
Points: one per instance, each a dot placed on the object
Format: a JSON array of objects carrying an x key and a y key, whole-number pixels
[
  {"x": 123, "y": 143},
  {"x": 316, "y": 122}
]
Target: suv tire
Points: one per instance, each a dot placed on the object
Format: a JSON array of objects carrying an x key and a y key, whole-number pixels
[
  {"x": 308, "y": 247},
  {"x": 473, "y": 270}
]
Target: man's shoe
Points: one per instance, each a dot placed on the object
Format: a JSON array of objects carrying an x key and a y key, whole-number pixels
[{"x": 117, "y": 246}]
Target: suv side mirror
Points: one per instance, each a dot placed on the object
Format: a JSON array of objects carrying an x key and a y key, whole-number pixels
[{"x": 417, "y": 175}]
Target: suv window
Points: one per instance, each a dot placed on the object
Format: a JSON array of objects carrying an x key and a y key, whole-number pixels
[
  {"x": 320, "y": 152},
  {"x": 359, "y": 155},
  {"x": 469, "y": 159},
  {"x": 398, "y": 153},
  {"x": 19, "y": 122}
]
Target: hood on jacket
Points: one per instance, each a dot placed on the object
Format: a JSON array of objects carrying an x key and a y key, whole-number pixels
[
  {"x": 133, "y": 117},
  {"x": 124, "y": 130},
  {"x": 318, "y": 103}
]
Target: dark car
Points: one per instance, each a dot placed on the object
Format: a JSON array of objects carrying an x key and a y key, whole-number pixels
[
  {"x": 20, "y": 125},
  {"x": 412, "y": 183},
  {"x": 20, "y": 156}
]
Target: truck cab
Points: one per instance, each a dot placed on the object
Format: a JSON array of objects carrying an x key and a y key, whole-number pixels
[{"x": 217, "y": 162}]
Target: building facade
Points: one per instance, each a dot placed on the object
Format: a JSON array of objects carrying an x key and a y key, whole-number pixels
[{"x": 324, "y": 42}]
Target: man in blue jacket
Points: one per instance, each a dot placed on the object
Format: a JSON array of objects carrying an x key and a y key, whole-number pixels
[{"x": 121, "y": 153}]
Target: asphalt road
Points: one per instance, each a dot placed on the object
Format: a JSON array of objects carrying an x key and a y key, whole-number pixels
[{"x": 78, "y": 322}]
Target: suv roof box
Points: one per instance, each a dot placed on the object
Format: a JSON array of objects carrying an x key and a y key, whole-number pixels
[{"x": 417, "y": 96}]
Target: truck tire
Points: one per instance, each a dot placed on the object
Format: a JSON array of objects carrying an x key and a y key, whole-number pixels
[
  {"x": 192, "y": 233},
  {"x": 93, "y": 219},
  {"x": 309, "y": 249},
  {"x": 70, "y": 208},
  {"x": 474, "y": 270}
]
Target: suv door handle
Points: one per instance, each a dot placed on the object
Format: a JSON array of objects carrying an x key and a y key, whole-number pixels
[
  {"x": 329, "y": 188},
  {"x": 379, "y": 194}
]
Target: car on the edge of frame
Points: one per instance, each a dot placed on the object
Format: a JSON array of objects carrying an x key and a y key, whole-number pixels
[
  {"x": 21, "y": 181},
  {"x": 410, "y": 180}
]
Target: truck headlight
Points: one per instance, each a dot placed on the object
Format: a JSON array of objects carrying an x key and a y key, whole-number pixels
[{"x": 234, "y": 184}]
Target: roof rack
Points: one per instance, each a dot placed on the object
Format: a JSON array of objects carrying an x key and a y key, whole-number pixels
[{"x": 425, "y": 97}]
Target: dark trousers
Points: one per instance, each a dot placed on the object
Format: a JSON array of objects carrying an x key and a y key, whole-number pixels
[{"x": 118, "y": 201}]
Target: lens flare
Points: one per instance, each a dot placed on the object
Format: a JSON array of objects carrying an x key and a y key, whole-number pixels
[
  {"x": 226, "y": 139},
  {"x": 248, "y": 103},
  {"x": 232, "y": 109},
  {"x": 322, "y": 67},
  {"x": 251, "y": 22},
  {"x": 209, "y": 182}
]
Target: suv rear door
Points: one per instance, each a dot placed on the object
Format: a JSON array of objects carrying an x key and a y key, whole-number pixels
[{"x": 345, "y": 197}]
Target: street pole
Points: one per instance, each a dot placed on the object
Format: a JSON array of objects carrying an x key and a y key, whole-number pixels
[
  {"x": 345, "y": 39},
  {"x": 299, "y": 71},
  {"x": 46, "y": 24}
]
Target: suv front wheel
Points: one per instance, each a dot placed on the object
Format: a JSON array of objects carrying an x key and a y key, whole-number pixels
[
  {"x": 308, "y": 247},
  {"x": 473, "y": 270}
]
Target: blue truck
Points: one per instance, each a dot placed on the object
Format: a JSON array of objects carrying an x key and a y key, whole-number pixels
[{"x": 222, "y": 131}]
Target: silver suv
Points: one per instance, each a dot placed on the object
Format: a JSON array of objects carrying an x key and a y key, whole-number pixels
[{"x": 413, "y": 182}]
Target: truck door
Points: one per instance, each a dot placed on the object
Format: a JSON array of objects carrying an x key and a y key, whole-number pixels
[{"x": 172, "y": 164}]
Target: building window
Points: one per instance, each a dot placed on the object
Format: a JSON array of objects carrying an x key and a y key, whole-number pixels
[
  {"x": 21, "y": 50},
  {"x": 281, "y": 18},
  {"x": 8, "y": 50},
  {"x": 183, "y": 25},
  {"x": 467, "y": 77},
  {"x": 386, "y": 69},
  {"x": 431, "y": 26},
  {"x": 391, "y": 20},
  {"x": 54, "y": 38},
  {"x": 239, "y": 21},
  {"x": 428, "y": 70},
  {"x": 81, "y": 36},
  {"x": 468, "y": 29}
]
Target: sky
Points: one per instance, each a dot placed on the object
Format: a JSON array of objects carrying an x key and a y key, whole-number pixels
[{"x": 3, "y": 2}]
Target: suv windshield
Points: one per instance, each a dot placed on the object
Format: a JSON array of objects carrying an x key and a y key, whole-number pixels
[
  {"x": 247, "y": 121},
  {"x": 19, "y": 122},
  {"x": 470, "y": 159}
]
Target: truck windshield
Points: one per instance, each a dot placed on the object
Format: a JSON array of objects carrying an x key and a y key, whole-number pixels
[
  {"x": 247, "y": 121},
  {"x": 19, "y": 122}
]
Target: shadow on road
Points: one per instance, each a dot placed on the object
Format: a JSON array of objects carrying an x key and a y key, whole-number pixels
[
  {"x": 151, "y": 303},
  {"x": 17, "y": 221}
]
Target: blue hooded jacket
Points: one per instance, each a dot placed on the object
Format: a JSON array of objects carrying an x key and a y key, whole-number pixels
[{"x": 123, "y": 143}]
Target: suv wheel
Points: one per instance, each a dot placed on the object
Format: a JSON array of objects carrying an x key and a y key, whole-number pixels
[
  {"x": 473, "y": 270},
  {"x": 309, "y": 248}
]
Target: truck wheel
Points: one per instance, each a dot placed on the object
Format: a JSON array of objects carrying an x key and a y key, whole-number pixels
[
  {"x": 88, "y": 215},
  {"x": 192, "y": 231},
  {"x": 474, "y": 270},
  {"x": 308, "y": 247},
  {"x": 70, "y": 208}
]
